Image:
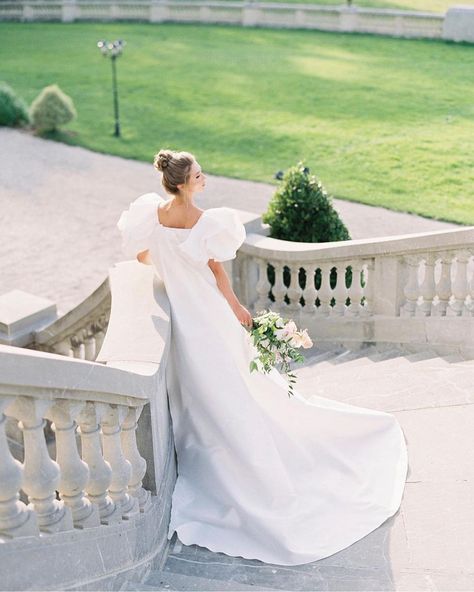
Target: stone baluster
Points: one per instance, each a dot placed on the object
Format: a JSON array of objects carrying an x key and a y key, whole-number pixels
[
  {"x": 113, "y": 454},
  {"x": 411, "y": 289},
  {"x": 16, "y": 518},
  {"x": 64, "y": 348},
  {"x": 340, "y": 290},
  {"x": 41, "y": 474},
  {"x": 130, "y": 450},
  {"x": 294, "y": 290},
  {"x": 77, "y": 342},
  {"x": 427, "y": 288},
  {"x": 355, "y": 291},
  {"x": 90, "y": 351},
  {"x": 367, "y": 272},
  {"x": 99, "y": 340},
  {"x": 262, "y": 286},
  {"x": 98, "y": 329},
  {"x": 325, "y": 290},
  {"x": 74, "y": 471},
  {"x": 310, "y": 293},
  {"x": 471, "y": 289},
  {"x": 460, "y": 287},
  {"x": 236, "y": 277},
  {"x": 279, "y": 289},
  {"x": 245, "y": 288},
  {"x": 100, "y": 472},
  {"x": 443, "y": 287}
]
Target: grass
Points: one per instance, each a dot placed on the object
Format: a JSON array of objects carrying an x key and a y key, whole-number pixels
[{"x": 381, "y": 121}]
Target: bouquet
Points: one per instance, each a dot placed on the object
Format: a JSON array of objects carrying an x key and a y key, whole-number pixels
[{"x": 276, "y": 340}]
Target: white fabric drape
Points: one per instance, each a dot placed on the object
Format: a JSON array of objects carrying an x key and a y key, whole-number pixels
[{"x": 260, "y": 475}]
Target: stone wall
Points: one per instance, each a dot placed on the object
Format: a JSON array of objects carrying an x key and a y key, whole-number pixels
[{"x": 456, "y": 25}]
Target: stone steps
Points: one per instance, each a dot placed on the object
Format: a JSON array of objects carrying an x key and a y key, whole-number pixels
[
  {"x": 369, "y": 360},
  {"x": 168, "y": 580},
  {"x": 390, "y": 380}
]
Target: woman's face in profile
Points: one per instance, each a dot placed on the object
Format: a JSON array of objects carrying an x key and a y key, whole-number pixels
[{"x": 197, "y": 179}]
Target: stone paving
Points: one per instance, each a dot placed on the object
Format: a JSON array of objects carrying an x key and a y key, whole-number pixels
[{"x": 60, "y": 205}]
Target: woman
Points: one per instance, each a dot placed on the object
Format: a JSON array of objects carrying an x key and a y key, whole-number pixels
[{"x": 260, "y": 475}]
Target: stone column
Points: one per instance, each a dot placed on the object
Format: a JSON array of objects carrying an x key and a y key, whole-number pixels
[
  {"x": 41, "y": 473},
  {"x": 16, "y": 518}
]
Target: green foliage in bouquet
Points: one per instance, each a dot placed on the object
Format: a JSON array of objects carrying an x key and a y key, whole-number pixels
[
  {"x": 276, "y": 340},
  {"x": 13, "y": 110},
  {"x": 51, "y": 109}
]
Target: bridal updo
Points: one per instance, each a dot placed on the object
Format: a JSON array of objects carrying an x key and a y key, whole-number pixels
[{"x": 175, "y": 167}]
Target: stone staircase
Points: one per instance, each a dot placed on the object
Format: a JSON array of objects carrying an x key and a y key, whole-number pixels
[{"x": 432, "y": 396}]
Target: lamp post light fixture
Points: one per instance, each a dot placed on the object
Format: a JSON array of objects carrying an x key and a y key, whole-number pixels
[{"x": 112, "y": 50}]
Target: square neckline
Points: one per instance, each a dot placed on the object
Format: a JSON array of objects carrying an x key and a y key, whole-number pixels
[{"x": 175, "y": 227}]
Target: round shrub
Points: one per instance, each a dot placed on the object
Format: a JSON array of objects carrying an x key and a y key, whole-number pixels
[
  {"x": 301, "y": 210},
  {"x": 13, "y": 110},
  {"x": 51, "y": 109}
]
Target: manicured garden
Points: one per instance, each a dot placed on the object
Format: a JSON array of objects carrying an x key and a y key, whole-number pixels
[{"x": 381, "y": 121}]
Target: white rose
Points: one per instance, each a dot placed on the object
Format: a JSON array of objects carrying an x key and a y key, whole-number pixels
[
  {"x": 281, "y": 333},
  {"x": 306, "y": 342},
  {"x": 291, "y": 328},
  {"x": 296, "y": 340}
]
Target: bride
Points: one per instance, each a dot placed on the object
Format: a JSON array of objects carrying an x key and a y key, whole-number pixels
[{"x": 260, "y": 475}]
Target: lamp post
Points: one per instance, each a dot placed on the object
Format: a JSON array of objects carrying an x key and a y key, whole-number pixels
[{"x": 113, "y": 49}]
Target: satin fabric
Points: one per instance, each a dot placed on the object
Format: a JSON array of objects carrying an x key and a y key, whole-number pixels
[{"x": 260, "y": 475}]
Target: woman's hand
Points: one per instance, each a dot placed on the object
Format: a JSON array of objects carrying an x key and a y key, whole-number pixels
[
  {"x": 144, "y": 257},
  {"x": 242, "y": 314}
]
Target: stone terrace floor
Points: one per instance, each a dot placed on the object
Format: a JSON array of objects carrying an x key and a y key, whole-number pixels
[{"x": 59, "y": 206}]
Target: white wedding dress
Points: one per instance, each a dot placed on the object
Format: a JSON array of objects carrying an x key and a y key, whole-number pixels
[{"x": 261, "y": 475}]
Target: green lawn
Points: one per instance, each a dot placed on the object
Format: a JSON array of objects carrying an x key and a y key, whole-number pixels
[{"x": 381, "y": 121}]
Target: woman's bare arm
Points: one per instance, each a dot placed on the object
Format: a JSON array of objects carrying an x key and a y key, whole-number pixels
[{"x": 223, "y": 283}]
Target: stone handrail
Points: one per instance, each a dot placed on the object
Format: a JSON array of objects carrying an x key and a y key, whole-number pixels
[
  {"x": 365, "y": 281},
  {"x": 80, "y": 332},
  {"x": 401, "y": 23},
  {"x": 36, "y": 386}
]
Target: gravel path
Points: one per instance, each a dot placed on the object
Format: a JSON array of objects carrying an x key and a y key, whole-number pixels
[{"x": 60, "y": 205}]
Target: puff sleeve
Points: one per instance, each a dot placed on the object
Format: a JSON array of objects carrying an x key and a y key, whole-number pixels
[
  {"x": 217, "y": 235},
  {"x": 137, "y": 224}
]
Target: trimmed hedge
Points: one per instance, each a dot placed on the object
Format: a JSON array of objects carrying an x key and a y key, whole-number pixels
[
  {"x": 301, "y": 210},
  {"x": 13, "y": 110},
  {"x": 51, "y": 109}
]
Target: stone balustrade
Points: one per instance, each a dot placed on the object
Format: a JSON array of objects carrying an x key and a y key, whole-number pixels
[
  {"x": 99, "y": 484},
  {"x": 347, "y": 289},
  {"x": 80, "y": 332},
  {"x": 102, "y": 484},
  {"x": 338, "y": 18},
  {"x": 112, "y": 442}
]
